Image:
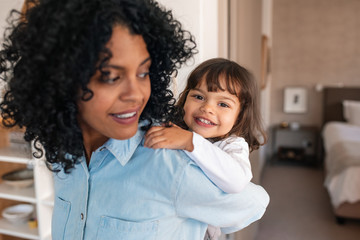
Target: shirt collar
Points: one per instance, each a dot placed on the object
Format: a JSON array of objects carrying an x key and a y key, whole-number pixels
[{"x": 124, "y": 149}]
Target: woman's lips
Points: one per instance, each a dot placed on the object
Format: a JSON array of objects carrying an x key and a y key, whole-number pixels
[{"x": 128, "y": 117}]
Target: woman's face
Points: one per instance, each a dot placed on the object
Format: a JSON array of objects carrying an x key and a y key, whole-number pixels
[{"x": 121, "y": 95}]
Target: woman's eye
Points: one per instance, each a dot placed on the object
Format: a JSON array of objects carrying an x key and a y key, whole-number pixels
[
  {"x": 143, "y": 75},
  {"x": 224, "y": 105},
  {"x": 110, "y": 80},
  {"x": 107, "y": 77}
]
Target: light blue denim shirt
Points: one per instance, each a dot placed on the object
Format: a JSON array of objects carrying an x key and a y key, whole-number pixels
[{"x": 135, "y": 193}]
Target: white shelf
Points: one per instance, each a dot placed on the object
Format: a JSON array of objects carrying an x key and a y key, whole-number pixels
[
  {"x": 21, "y": 230},
  {"x": 41, "y": 194},
  {"x": 48, "y": 236},
  {"x": 48, "y": 201},
  {"x": 10, "y": 154},
  {"x": 18, "y": 194}
]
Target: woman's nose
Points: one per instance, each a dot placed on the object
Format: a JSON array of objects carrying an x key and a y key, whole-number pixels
[{"x": 131, "y": 91}]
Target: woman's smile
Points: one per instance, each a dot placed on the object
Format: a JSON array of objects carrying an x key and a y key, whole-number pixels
[
  {"x": 121, "y": 89},
  {"x": 126, "y": 117}
]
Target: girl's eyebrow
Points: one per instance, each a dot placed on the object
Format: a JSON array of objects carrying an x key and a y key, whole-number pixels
[
  {"x": 121, "y": 68},
  {"x": 221, "y": 97},
  {"x": 197, "y": 89},
  {"x": 227, "y": 98}
]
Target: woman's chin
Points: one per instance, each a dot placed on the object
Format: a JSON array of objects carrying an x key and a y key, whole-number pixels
[{"x": 125, "y": 133}]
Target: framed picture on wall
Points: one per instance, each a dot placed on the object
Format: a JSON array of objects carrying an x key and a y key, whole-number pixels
[{"x": 295, "y": 100}]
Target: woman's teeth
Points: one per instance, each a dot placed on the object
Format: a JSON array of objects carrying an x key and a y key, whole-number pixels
[{"x": 125, "y": 115}]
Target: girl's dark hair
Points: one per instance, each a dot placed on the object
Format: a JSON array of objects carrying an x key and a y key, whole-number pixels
[
  {"x": 239, "y": 82},
  {"x": 50, "y": 53}
]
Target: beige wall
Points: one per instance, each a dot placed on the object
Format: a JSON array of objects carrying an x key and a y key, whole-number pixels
[
  {"x": 245, "y": 46},
  {"x": 5, "y": 7},
  {"x": 245, "y": 32},
  {"x": 245, "y": 49},
  {"x": 201, "y": 19},
  {"x": 207, "y": 22},
  {"x": 314, "y": 41}
]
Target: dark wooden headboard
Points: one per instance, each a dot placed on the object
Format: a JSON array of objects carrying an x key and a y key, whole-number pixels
[{"x": 332, "y": 102}]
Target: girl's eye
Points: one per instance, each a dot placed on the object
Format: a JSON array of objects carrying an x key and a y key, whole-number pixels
[
  {"x": 198, "y": 97},
  {"x": 224, "y": 105}
]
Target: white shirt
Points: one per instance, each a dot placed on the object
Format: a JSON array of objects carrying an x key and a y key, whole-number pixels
[{"x": 226, "y": 162}]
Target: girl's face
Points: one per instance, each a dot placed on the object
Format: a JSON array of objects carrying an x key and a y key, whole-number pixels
[
  {"x": 211, "y": 114},
  {"x": 120, "y": 97}
]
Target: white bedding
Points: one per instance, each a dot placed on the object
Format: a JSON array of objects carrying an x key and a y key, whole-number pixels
[{"x": 343, "y": 187}]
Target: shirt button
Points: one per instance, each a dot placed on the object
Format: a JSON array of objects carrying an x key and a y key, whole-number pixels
[
  {"x": 102, "y": 149},
  {"x": 82, "y": 216}
]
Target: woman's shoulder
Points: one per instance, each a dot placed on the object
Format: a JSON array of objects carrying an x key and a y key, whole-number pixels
[{"x": 172, "y": 157}]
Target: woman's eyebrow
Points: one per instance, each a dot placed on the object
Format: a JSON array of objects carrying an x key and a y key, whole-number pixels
[
  {"x": 146, "y": 60},
  {"x": 121, "y": 67}
]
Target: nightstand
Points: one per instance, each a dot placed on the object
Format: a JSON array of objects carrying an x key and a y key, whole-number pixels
[{"x": 296, "y": 145}]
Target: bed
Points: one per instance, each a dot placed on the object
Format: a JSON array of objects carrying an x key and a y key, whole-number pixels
[{"x": 341, "y": 144}]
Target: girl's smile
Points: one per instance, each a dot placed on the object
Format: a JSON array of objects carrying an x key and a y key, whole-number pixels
[
  {"x": 204, "y": 122},
  {"x": 211, "y": 114}
]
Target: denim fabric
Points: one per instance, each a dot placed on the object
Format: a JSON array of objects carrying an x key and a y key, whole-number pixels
[{"x": 135, "y": 193}]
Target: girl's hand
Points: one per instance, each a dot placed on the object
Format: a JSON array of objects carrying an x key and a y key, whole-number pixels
[{"x": 172, "y": 137}]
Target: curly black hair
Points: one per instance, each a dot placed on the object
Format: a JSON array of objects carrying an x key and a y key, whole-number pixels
[{"x": 50, "y": 54}]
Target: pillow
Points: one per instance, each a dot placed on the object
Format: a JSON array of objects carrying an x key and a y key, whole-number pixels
[
  {"x": 351, "y": 111},
  {"x": 346, "y": 109}
]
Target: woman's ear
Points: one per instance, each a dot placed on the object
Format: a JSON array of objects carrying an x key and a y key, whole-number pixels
[{"x": 27, "y": 5}]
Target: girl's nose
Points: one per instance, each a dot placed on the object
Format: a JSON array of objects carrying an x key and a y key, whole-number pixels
[{"x": 207, "y": 108}]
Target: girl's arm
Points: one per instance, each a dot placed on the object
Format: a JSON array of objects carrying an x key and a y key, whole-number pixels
[
  {"x": 172, "y": 137},
  {"x": 230, "y": 212},
  {"x": 226, "y": 162}
]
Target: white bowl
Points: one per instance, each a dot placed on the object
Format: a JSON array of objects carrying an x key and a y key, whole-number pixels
[
  {"x": 18, "y": 213},
  {"x": 295, "y": 125},
  {"x": 20, "y": 178}
]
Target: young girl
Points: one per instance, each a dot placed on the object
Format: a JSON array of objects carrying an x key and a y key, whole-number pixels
[
  {"x": 86, "y": 78},
  {"x": 219, "y": 104}
]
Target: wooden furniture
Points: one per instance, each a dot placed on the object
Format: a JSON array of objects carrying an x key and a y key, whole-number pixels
[
  {"x": 332, "y": 102},
  {"x": 297, "y": 145},
  {"x": 40, "y": 195},
  {"x": 333, "y": 111}
]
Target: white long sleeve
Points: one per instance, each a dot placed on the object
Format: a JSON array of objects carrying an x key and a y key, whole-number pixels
[{"x": 226, "y": 162}]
